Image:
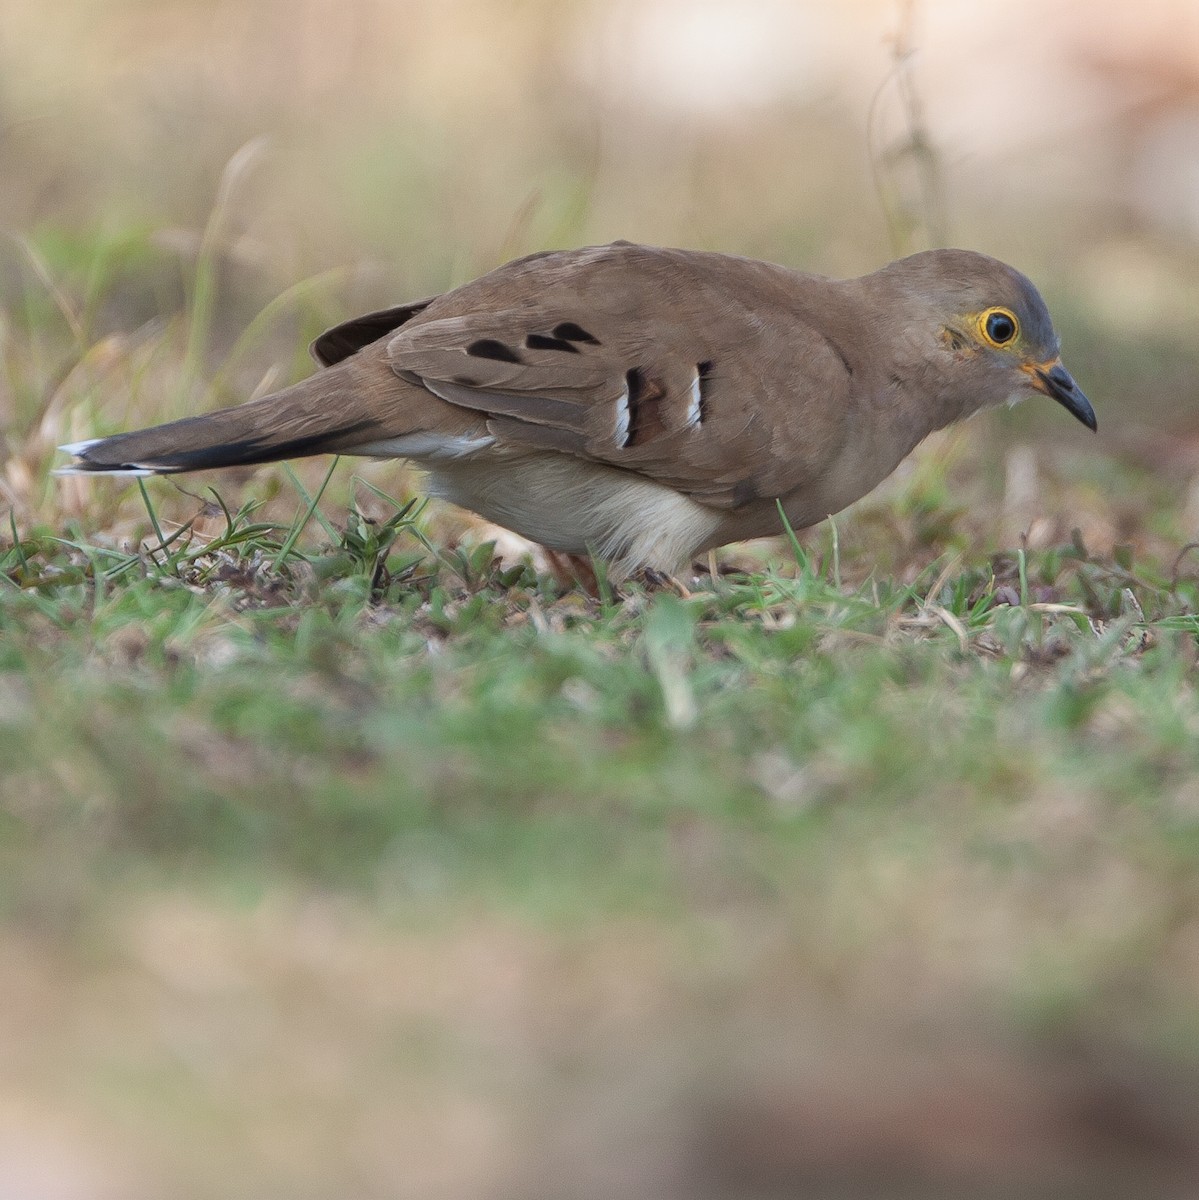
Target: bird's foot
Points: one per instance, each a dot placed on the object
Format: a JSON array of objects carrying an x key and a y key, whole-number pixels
[
  {"x": 573, "y": 570},
  {"x": 659, "y": 581}
]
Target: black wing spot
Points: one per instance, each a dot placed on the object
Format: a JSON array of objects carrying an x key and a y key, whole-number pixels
[
  {"x": 744, "y": 492},
  {"x": 568, "y": 331},
  {"x": 645, "y": 416},
  {"x": 703, "y": 370},
  {"x": 491, "y": 348},
  {"x": 539, "y": 341}
]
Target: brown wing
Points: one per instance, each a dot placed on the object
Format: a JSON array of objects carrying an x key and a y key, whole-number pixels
[{"x": 694, "y": 370}]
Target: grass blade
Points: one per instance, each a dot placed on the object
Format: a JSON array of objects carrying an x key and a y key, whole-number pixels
[{"x": 299, "y": 527}]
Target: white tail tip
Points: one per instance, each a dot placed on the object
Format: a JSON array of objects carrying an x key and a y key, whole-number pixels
[{"x": 79, "y": 448}]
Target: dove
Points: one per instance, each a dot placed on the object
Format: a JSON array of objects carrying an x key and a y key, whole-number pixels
[{"x": 642, "y": 404}]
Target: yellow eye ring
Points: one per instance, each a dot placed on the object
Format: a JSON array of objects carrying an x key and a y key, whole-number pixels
[{"x": 998, "y": 327}]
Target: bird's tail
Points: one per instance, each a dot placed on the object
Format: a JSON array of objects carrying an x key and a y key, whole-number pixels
[{"x": 329, "y": 412}]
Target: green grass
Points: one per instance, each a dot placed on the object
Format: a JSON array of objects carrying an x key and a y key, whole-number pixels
[{"x": 371, "y": 716}]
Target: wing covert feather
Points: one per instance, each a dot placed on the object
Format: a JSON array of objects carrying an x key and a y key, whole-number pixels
[{"x": 663, "y": 363}]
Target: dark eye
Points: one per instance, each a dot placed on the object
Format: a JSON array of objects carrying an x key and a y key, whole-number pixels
[{"x": 1000, "y": 327}]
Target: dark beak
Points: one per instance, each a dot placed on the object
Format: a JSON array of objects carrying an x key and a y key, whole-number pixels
[{"x": 1054, "y": 380}]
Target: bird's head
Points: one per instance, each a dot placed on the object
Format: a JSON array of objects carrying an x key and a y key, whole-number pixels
[{"x": 994, "y": 340}]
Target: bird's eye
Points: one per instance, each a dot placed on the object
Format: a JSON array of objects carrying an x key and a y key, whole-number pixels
[{"x": 999, "y": 326}]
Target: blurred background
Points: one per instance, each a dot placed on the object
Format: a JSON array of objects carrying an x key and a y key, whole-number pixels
[
  {"x": 191, "y": 189},
  {"x": 214, "y": 182}
]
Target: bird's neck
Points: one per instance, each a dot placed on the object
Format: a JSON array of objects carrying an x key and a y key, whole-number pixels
[{"x": 900, "y": 366}]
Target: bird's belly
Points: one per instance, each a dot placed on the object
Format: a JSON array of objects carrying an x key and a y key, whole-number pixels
[
  {"x": 577, "y": 507},
  {"x": 853, "y": 473},
  {"x": 846, "y": 478}
]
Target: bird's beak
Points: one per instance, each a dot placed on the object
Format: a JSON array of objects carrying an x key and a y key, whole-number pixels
[{"x": 1052, "y": 379}]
